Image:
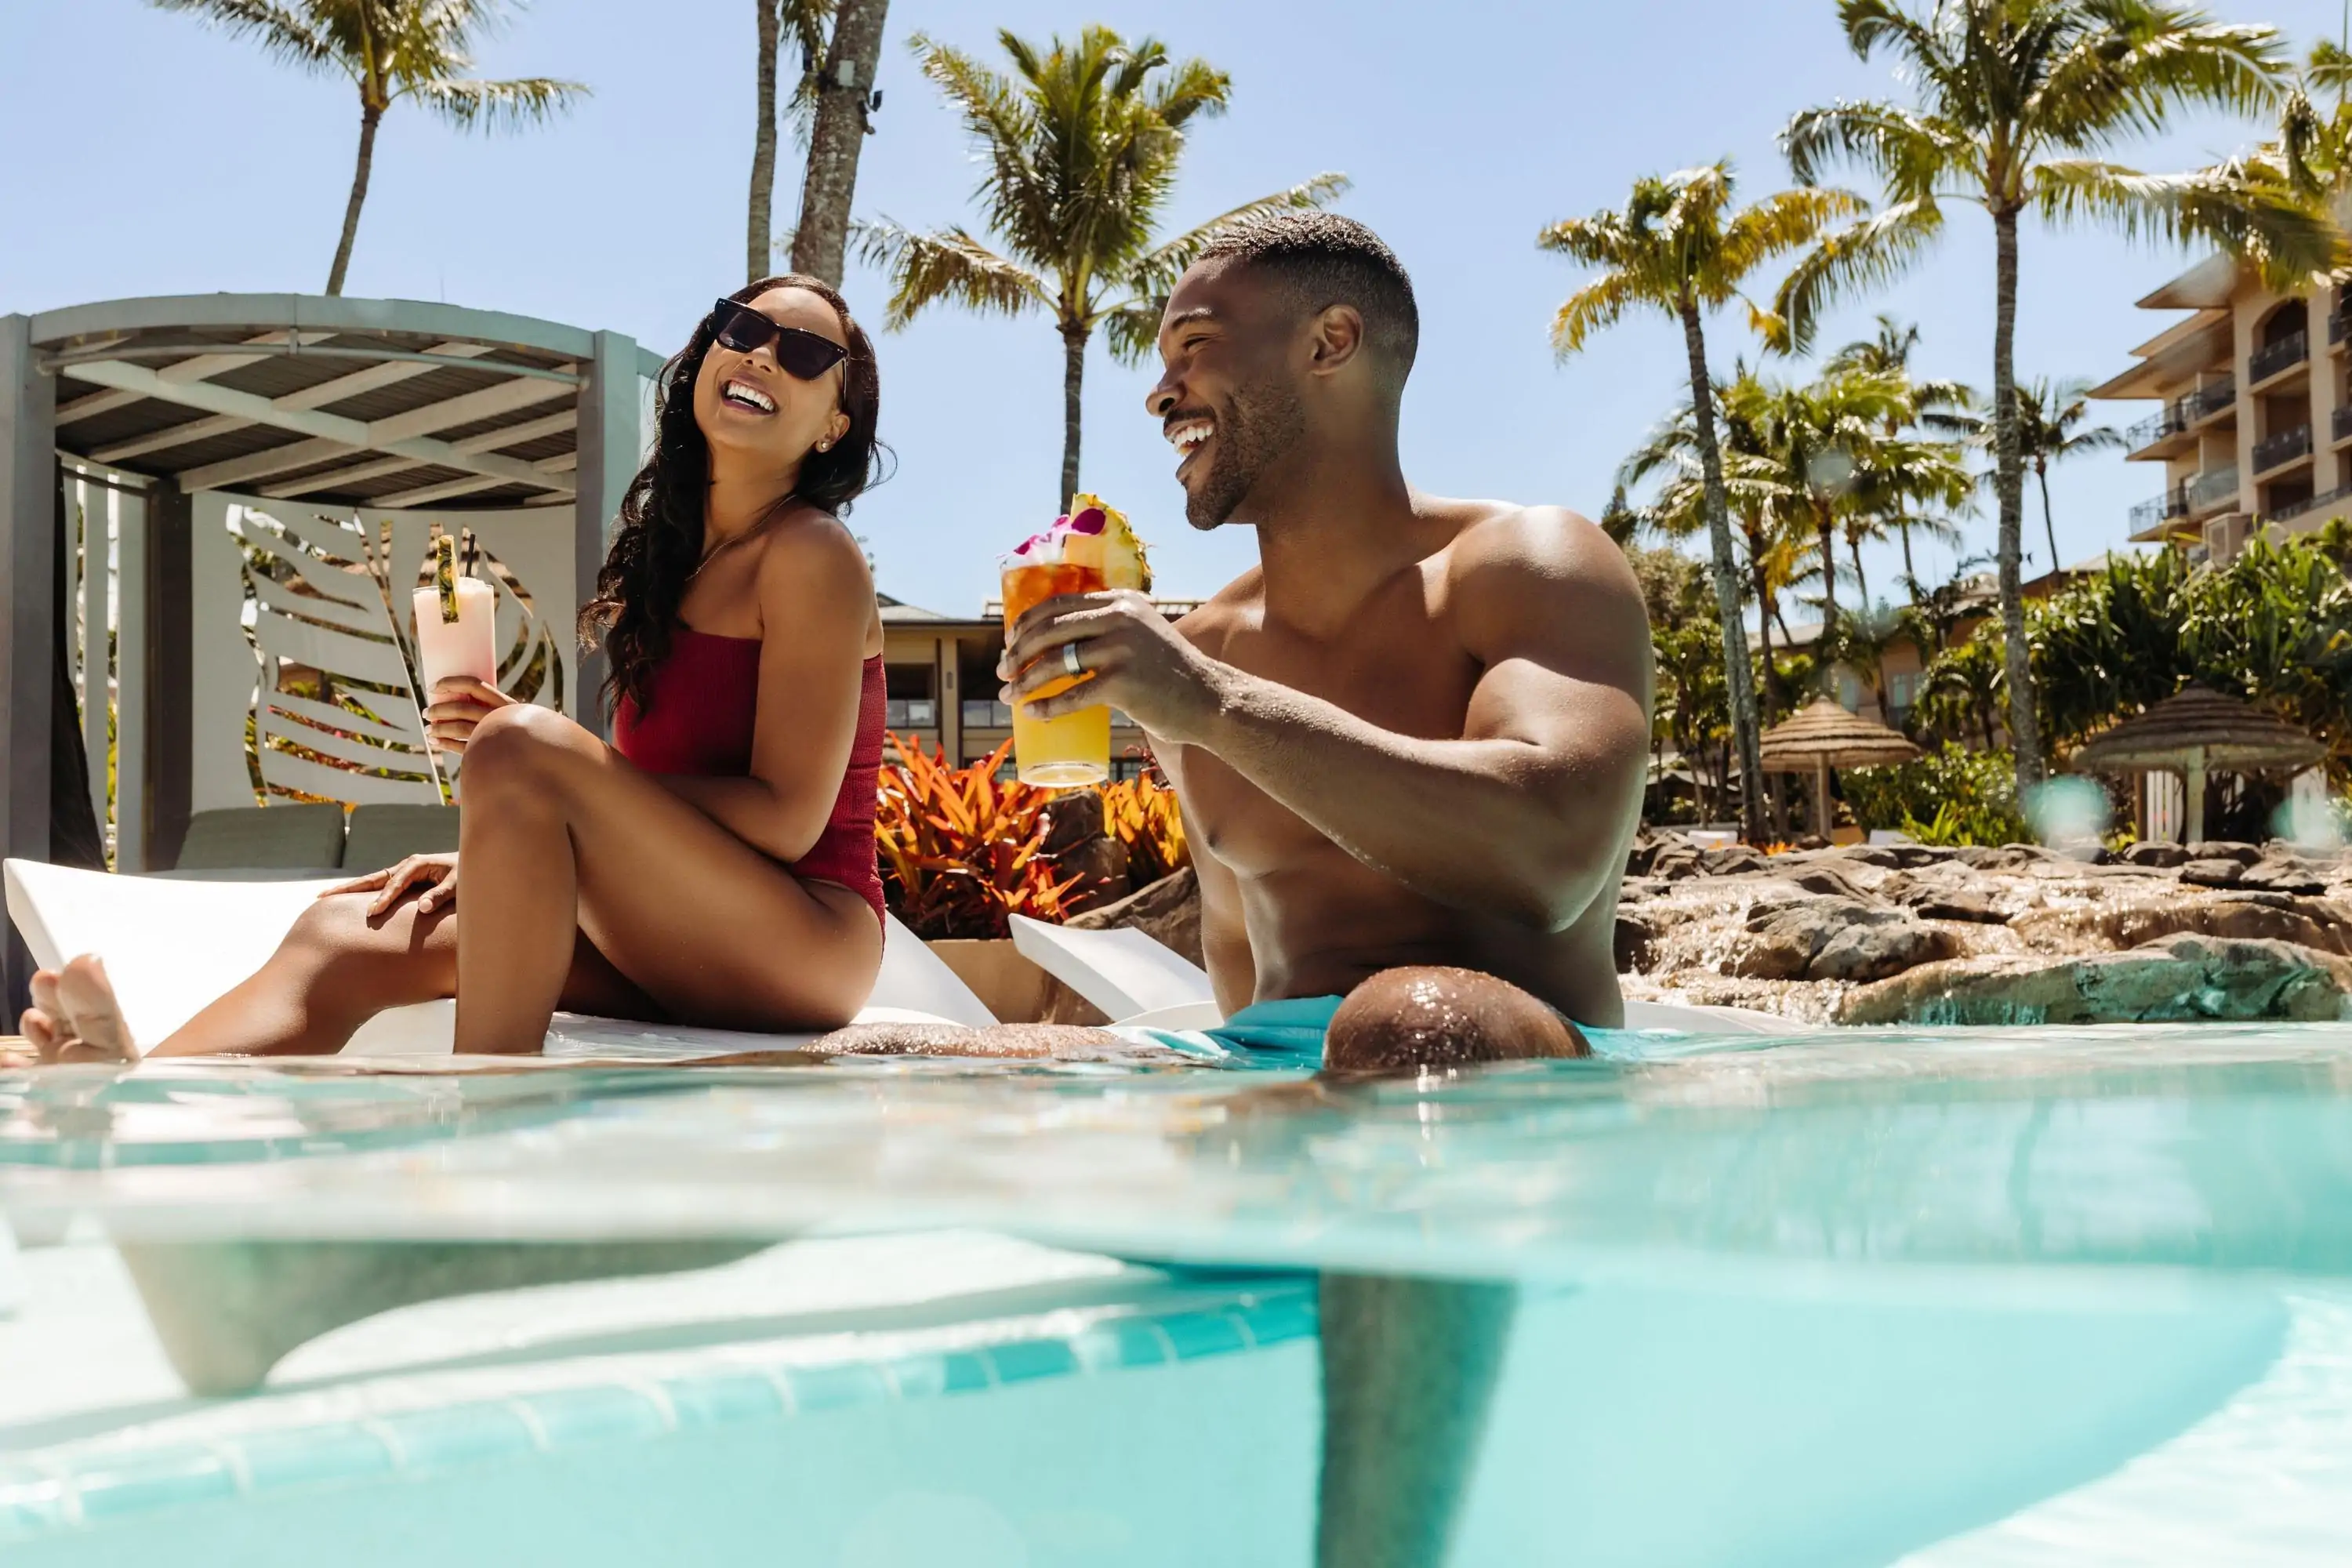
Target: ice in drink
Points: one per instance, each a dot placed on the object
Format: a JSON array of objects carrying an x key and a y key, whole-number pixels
[{"x": 1087, "y": 550}]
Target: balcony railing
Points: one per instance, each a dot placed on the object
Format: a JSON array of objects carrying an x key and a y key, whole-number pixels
[
  {"x": 2283, "y": 447},
  {"x": 2209, "y": 400},
  {"x": 2339, "y": 322},
  {"x": 2312, "y": 503},
  {"x": 2172, "y": 503},
  {"x": 2214, "y": 488},
  {"x": 2172, "y": 421},
  {"x": 2341, "y": 422},
  {"x": 2268, "y": 361}
]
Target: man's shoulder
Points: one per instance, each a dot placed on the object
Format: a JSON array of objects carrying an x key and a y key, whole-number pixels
[
  {"x": 1209, "y": 622},
  {"x": 1505, "y": 544}
]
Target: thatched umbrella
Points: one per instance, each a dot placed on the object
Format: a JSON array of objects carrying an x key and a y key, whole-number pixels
[
  {"x": 2196, "y": 730},
  {"x": 1826, "y": 736}
]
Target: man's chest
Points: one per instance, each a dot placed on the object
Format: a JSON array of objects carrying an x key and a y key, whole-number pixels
[{"x": 1406, "y": 675}]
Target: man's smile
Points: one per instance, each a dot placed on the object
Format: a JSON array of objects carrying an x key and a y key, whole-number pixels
[{"x": 1188, "y": 435}]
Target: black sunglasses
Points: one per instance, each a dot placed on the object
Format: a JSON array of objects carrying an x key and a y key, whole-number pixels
[{"x": 803, "y": 353}]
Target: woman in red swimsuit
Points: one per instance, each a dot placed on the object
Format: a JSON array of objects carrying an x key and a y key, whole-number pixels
[{"x": 715, "y": 864}]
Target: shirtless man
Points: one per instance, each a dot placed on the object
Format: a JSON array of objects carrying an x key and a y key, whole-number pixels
[{"x": 1409, "y": 744}]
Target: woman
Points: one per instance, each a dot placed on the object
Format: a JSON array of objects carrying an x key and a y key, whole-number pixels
[{"x": 715, "y": 864}]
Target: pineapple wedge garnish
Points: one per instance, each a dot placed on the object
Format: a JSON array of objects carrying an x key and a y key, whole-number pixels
[{"x": 1115, "y": 549}]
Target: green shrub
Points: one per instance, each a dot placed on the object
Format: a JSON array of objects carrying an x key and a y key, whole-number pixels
[{"x": 1956, "y": 795}]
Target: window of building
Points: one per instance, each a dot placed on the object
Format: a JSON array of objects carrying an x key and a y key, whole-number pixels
[{"x": 910, "y": 704}]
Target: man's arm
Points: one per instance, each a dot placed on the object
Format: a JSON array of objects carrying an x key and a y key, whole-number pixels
[{"x": 1524, "y": 816}]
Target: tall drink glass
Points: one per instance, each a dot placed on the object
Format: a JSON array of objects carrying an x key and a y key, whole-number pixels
[
  {"x": 466, "y": 645},
  {"x": 1059, "y": 754}
]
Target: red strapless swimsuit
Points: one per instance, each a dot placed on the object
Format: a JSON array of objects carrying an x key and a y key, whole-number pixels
[{"x": 705, "y": 697}]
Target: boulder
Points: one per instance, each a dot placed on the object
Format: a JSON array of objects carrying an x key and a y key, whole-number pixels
[
  {"x": 2000, "y": 857},
  {"x": 2156, "y": 853},
  {"x": 1169, "y": 911},
  {"x": 1632, "y": 944},
  {"x": 2223, "y": 850},
  {"x": 2177, "y": 979},
  {"x": 2212, "y": 871},
  {"x": 1834, "y": 939},
  {"x": 1884, "y": 855},
  {"x": 1821, "y": 876},
  {"x": 2241, "y": 917},
  {"x": 2283, "y": 875},
  {"x": 1911, "y": 856},
  {"x": 1729, "y": 860},
  {"x": 1933, "y": 901},
  {"x": 1675, "y": 863}
]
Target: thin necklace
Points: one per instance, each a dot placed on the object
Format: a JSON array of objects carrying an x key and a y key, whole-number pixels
[{"x": 773, "y": 512}]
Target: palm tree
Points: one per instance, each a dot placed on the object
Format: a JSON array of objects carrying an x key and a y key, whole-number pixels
[
  {"x": 2016, "y": 102},
  {"x": 804, "y": 20},
  {"x": 844, "y": 96},
  {"x": 391, "y": 50},
  {"x": 1081, "y": 154},
  {"x": 1681, "y": 247},
  {"x": 1887, "y": 352}
]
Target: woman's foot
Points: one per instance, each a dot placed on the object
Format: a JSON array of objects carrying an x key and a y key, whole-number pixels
[{"x": 74, "y": 1016}]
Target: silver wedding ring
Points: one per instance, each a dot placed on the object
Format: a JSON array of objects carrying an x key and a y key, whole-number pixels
[{"x": 1070, "y": 660}]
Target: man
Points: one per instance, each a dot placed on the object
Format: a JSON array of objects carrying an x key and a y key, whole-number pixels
[{"x": 1409, "y": 744}]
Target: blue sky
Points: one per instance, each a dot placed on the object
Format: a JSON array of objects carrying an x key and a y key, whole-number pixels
[{"x": 147, "y": 155}]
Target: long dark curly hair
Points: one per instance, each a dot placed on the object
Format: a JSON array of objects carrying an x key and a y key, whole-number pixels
[{"x": 658, "y": 542}]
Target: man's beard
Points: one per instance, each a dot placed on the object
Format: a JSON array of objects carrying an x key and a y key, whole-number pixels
[{"x": 1257, "y": 431}]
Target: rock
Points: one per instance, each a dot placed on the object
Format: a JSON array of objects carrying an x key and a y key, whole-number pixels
[
  {"x": 1911, "y": 856},
  {"x": 2212, "y": 873},
  {"x": 1932, "y": 903},
  {"x": 1675, "y": 863},
  {"x": 1100, "y": 865},
  {"x": 1866, "y": 952},
  {"x": 2244, "y": 917},
  {"x": 1632, "y": 944},
  {"x": 2003, "y": 858},
  {"x": 1169, "y": 911},
  {"x": 2282, "y": 876},
  {"x": 2154, "y": 853},
  {"x": 1834, "y": 939},
  {"x": 2179, "y": 979},
  {"x": 1810, "y": 841},
  {"x": 1869, "y": 854},
  {"x": 1641, "y": 853},
  {"x": 1823, "y": 878},
  {"x": 2223, "y": 850},
  {"x": 1729, "y": 860}
]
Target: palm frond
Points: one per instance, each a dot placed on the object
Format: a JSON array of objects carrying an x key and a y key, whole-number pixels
[
  {"x": 496, "y": 105},
  {"x": 925, "y": 268},
  {"x": 280, "y": 32},
  {"x": 2266, "y": 222},
  {"x": 1599, "y": 304},
  {"x": 1916, "y": 156},
  {"x": 1865, "y": 255},
  {"x": 1132, "y": 330}
]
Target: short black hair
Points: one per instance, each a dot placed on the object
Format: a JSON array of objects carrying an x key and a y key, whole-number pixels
[{"x": 1325, "y": 259}]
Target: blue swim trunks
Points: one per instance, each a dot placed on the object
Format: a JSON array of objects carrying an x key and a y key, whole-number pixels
[{"x": 1288, "y": 1034}]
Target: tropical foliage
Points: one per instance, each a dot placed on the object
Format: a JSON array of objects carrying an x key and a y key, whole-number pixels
[
  {"x": 962, "y": 848},
  {"x": 1953, "y": 794},
  {"x": 391, "y": 50},
  {"x": 1682, "y": 248},
  {"x": 1079, "y": 149},
  {"x": 2019, "y": 104}
]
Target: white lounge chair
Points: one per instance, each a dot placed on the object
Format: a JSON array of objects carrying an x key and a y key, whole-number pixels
[
  {"x": 171, "y": 945},
  {"x": 1137, "y": 980}
]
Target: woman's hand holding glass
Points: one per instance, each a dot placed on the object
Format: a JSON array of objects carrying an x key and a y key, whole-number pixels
[{"x": 459, "y": 703}]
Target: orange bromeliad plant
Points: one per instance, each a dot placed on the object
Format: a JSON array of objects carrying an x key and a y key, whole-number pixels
[
  {"x": 1142, "y": 814},
  {"x": 961, "y": 849}
]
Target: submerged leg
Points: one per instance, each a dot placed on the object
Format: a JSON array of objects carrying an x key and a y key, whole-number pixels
[
  {"x": 228, "y": 1312},
  {"x": 1410, "y": 1366}
]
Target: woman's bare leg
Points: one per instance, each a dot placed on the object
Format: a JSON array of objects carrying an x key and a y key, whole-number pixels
[{"x": 562, "y": 834}]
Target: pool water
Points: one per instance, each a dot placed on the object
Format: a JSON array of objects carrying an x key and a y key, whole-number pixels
[{"x": 2015, "y": 1297}]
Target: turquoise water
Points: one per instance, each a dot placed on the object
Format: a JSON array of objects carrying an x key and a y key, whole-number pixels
[{"x": 2006, "y": 1297}]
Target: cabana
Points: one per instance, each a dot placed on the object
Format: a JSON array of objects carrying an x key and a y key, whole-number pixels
[
  {"x": 213, "y": 506},
  {"x": 1826, "y": 736},
  {"x": 2194, "y": 731}
]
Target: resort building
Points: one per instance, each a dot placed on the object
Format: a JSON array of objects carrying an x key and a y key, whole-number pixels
[
  {"x": 943, "y": 684},
  {"x": 2253, "y": 424}
]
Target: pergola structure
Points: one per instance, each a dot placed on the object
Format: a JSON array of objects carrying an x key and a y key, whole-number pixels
[
  {"x": 1826, "y": 736},
  {"x": 2198, "y": 731},
  {"x": 287, "y": 401}
]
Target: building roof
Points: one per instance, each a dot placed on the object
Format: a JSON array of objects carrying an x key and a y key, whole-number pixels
[
  {"x": 384, "y": 403},
  {"x": 2204, "y": 286}
]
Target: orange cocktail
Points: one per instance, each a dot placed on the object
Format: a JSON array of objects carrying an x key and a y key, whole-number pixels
[{"x": 1076, "y": 748}]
